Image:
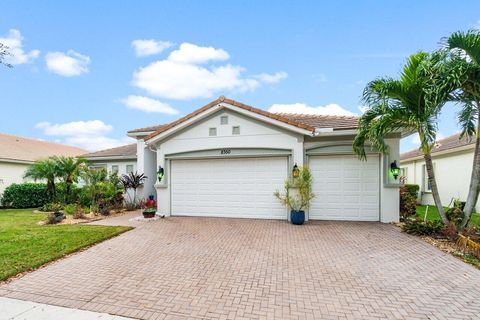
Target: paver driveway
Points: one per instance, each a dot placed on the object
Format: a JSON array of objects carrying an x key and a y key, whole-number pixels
[{"x": 232, "y": 269}]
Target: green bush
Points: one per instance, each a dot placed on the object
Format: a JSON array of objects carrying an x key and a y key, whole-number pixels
[
  {"x": 25, "y": 195},
  {"x": 51, "y": 207},
  {"x": 423, "y": 228},
  {"x": 69, "y": 209},
  {"x": 411, "y": 189},
  {"x": 408, "y": 200}
]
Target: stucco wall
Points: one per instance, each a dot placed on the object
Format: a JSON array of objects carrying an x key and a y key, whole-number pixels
[
  {"x": 11, "y": 173},
  {"x": 122, "y": 164},
  {"x": 452, "y": 173},
  {"x": 253, "y": 134}
]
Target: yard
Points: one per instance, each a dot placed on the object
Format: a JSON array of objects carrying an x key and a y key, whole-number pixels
[
  {"x": 432, "y": 214},
  {"x": 25, "y": 245}
]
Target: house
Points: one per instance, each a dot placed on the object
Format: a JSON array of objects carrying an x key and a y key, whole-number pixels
[
  {"x": 226, "y": 159},
  {"x": 17, "y": 153},
  {"x": 122, "y": 160},
  {"x": 452, "y": 159}
]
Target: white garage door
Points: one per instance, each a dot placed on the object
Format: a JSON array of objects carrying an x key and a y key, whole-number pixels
[
  {"x": 237, "y": 188},
  {"x": 345, "y": 188}
]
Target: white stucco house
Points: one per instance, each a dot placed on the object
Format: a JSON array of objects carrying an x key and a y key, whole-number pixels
[
  {"x": 226, "y": 159},
  {"x": 452, "y": 160},
  {"x": 122, "y": 160},
  {"x": 17, "y": 153}
]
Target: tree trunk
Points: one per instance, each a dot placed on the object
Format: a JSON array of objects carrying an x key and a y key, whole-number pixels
[
  {"x": 474, "y": 184},
  {"x": 433, "y": 186}
]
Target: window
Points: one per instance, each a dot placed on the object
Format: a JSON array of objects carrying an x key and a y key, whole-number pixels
[
  {"x": 98, "y": 167},
  {"x": 403, "y": 175},
  {"x": 129, "y": 168},
  {"x": 236, "y": 130},
  {"x": 224, "y": 120},
  {"x": 425, "y": 182},
  {"x": 212, "y": 132},
  {"x": 115, "y": 168}
]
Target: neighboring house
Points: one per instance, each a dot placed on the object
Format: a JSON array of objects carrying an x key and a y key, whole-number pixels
[
  {"x": 122, "y": 160},
  {"x": 452, "y": 163},
  {"x": 17, "y": 153},
  {"x": 226, "y": 159}
]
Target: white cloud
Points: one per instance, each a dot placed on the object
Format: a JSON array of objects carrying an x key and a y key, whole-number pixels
[
  {"x": 362, "y": 109},
  {"x": 67, "y": 64},
  {"x": 192, "y": 54},
  {"x": 148, "y": 105},
  {"x": 144, "y": 47},
  {"x": 14, "y": 41},
  {"x": 90, "y": 135},
  {"x": 302, "y": 108},
  {"x": 185, "y": 74},
  {"x": 415, "y": 139},
  {"x": 272, "y": 78}
]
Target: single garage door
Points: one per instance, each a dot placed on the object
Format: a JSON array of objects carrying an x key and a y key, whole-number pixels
[
  {"x": 345, "y": 188},
  {"x": 236, "y": 188}
]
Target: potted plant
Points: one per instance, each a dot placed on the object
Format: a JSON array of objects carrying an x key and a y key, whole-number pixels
[
  {"x": 150, "y": 208},
  {"x": 298, "y": 194}
]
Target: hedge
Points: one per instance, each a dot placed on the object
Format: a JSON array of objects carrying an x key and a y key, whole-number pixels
[
  {"x": 25, "y": 195},
  {"x": 34, "y": 195}
]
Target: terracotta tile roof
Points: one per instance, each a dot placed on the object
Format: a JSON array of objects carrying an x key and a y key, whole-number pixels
[
  {"x": 16, "y": 148},
  {"x": 323, "y": 121},
  {"x": 129, "y": 150},
  {"x": 447, "y": 143},
  {"x": 147, "y": 129},
  {"x": 307, "y": 122}
]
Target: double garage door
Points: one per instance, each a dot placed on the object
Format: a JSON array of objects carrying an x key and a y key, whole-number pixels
[{"x": 345, "y": 188}]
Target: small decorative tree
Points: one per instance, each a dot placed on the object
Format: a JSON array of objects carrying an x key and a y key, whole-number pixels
[
  {"x": 132, "y": 181},
  {"x": 298, "y": 194}
]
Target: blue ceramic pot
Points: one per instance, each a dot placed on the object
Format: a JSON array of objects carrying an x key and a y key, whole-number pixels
[{"x": 297, "y": 217}]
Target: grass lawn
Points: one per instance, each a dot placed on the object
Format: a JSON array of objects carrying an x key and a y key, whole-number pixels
[
  {"x": 432, "y": 214},
  {"x": 25, "y": 245}
]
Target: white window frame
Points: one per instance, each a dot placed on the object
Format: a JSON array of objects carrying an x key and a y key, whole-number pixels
[
  {"x": 233, "y": 130},
  {"x": 223, "y": 120},
  {"x": 425, "y": 184},
  {"x": 115, "y": 166},
  {"x": 212, "y": 132},
  {"x": 130, "y": 165}
]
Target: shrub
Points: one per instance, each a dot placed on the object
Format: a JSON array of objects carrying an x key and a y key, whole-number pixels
[
  {"x": 449, "y": 231},
  {"x": 423, "y": 228},
  {"x": 25, "y": 195},
  {"x": 408, "y": 200},
  {"x": 51, "y": 207},
  {"x": 69, "y": 209},
  {"x": 79, "y": 212}
]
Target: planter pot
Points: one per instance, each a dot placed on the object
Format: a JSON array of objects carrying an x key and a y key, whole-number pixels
[
  {"x": 147, "y": 215},
  {"x": 297, "y": 217}
]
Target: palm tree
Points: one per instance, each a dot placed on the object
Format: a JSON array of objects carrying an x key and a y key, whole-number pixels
[
  {"x": 68, "y": 169},
  {"x": 465, "y": 46},
  {"x": 44, "y": 170},
  {"x": 411, "y": 103}
]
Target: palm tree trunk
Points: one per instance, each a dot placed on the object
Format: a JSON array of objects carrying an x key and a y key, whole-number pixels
[
  {"x": 433, "y": 186},
  {"x": 474, "y": 184}
]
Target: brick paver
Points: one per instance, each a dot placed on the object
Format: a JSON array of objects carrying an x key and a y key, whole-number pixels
[{"x": 210, "y": 268}]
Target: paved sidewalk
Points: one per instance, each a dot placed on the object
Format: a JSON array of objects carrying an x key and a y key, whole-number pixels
[{"x": 13, "y": 309}]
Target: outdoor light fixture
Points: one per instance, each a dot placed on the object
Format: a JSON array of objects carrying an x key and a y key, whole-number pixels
[
  {"x": 295, "y": 171},
  {"x": 160, "y": 173},
  {"x": 394, "y": 169}
]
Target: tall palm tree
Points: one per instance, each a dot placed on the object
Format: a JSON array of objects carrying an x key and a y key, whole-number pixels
[
  {"x": 44, "y": 170},
  {"x": 466, "y": 47},
  {"x": 68, "y": 170},
  {"x": 408, "y": 103}
]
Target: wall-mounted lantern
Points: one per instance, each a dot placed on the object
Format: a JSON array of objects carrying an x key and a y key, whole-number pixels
[
  {"x": 160, "y": 173},
  {"x": 295, "y": 171},
  {"x": 394, "y": 169}
]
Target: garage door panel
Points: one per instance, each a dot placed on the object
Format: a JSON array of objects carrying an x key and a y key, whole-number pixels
[
  {"x": 228, "y": 187},
  {"x": 346, "y": 188}
]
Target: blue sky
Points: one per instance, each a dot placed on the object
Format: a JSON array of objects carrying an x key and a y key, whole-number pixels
[{"x": 87, "y": 71}]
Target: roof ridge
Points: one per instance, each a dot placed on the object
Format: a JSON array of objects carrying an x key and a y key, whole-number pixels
[
  {"x": 109, "y": 149},
  {"x": 316, "y": 115}
]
